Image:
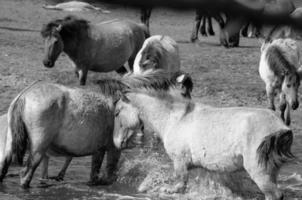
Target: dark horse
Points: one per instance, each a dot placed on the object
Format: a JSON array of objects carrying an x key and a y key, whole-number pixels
[
  {"x": 102, "y": 47},
  {"x": 205, "y": 15},
  {"x": 200, "y": 14}
]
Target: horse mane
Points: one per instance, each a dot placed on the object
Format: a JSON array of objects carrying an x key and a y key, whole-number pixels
[
  {"x": 150, "y": 80},
  {"x": 72, "y": 27},
  {"x": 278, "y": 61}
]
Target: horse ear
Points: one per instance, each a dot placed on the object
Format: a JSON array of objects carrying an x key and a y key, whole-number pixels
[{"x": 59, "y": 28}]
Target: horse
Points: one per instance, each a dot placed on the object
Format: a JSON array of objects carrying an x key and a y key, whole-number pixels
[
  {"x": 278, "y": 68},
  {"x": 199, "y": 135},
  {"x": 75, "y": 6},
  {"x": 99, "y": 47},
  {"x": 158, "y": 52},
  {"x": 52, "y": 119},
  {"x": 205, "y": 15}
]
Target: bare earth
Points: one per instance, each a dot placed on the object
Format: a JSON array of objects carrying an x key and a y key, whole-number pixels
[{"x": 222, "y": 77}]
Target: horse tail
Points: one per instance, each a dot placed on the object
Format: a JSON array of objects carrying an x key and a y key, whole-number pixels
[
  {"x": 275, "y": 149},
  {"x": 16, "y": 129},
  {"x": 146, "y": 31}
]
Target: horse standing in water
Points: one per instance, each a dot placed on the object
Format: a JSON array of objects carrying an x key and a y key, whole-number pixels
[
  {"x": 158, "y": 52},
  {"x": 61, "y": 121},
  {"x": 278, "y": 68},
  {"x": 102, "y": 47},
  {"x": 198, "y": 135}
]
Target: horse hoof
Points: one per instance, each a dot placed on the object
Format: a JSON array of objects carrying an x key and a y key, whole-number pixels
[{"x": 56, "y": 178}]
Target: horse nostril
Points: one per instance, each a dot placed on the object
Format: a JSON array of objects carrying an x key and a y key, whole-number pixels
[{"x": 295, "y": 105}]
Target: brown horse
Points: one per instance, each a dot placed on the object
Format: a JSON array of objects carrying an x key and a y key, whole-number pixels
[{"x": 99, "y": 47}]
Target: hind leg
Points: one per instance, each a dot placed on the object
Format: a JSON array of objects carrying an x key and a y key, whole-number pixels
[
  {"x": 28, "y": 172},
  {"x": 194, "y": 35},
  {"x": 264, "y": 178},
  {"x": 203, "y": 27},
  {"x": 270, "y": 92},
  {"x": 96, "y": 163},
  {"x": 210, "y": 26}
]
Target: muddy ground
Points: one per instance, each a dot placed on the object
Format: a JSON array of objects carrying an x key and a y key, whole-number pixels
[{"x": 222, "y": 77}]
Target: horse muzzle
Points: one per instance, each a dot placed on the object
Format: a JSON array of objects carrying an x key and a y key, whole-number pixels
[{"x": 48, "y": 63}]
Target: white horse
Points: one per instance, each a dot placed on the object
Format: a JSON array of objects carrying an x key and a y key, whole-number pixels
[
  {"x": 75, "y": 6},
  {"x": 218, "y": 139},
  {"x": 278, "y": 69},
  {"x": 158, "y": 52}
]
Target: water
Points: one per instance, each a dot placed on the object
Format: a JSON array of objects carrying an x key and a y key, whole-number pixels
[{"x": 133, "y": 171}]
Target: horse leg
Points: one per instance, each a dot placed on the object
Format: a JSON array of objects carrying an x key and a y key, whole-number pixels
[
  {"x": 196, "y": 26},
  {"x": 82, "y": 76},
  {"x": 270, "y": 92},
  {"x": 96, "y": 163},
  {"x": 282, "y": 106},
  {"x": 61, "y": 174},
  {"x": 4, "y": 165},
  {"x": 203, "y": 26},
  {"x": 266, "y": 181},
  {"x": 113, "y": 156},
  {"x": 122, "y": 70},
  {"x": 181, "y": 174},
  {"x": 245, "y": 29},
  {"x": 210, "y": 26},
  {"x": 45, "y": 167},
  {"x": 287, "y": 114},
  {"x": 32, "y": 164}
]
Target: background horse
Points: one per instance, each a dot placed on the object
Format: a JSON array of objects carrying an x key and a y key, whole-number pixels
[
  {"x": 100, "y": 47},
  {"x": 205, "y": 15},
  {"x": 278, "y": 68},
  {"x": 71, "y": 122},
  {"x": 218, "y": 139},
  {"x": 158, "y": 52},
  {"x": 73, "y": 6}
]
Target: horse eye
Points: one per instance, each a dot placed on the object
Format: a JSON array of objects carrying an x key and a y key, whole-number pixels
[
  {"x": 288, "y": 85},
  {"x": 116, "y": 113}
]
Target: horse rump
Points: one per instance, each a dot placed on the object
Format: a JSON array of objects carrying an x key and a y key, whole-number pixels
[{"x": 275, "y": 149}]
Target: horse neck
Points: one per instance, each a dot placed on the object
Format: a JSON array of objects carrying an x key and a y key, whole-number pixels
[{"x": 154, "y": 112}]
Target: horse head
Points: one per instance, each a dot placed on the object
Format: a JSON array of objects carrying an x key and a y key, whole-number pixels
[
  {"x": 53, "y": 45},
  {"x": 126, "y": 122},
  {"x": 290, "y": 86}
]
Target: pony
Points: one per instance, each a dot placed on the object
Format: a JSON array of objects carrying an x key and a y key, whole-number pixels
[
  {"x": 199, "y": 135},
  {"x": 99, "y": 47},
  {"x": 278, "y": 68},
  {"x": 158, "y": 52},
  {"x": 75, "y": 6},
  {"x": 52, "y": 119}
]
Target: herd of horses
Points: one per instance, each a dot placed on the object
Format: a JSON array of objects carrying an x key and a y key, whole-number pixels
[{"x": 49, "y": 119}]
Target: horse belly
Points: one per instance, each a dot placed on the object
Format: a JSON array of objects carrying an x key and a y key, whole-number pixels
[
  {"x": 219, "y": 162},
  {"x": 113, "y": 54}
]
